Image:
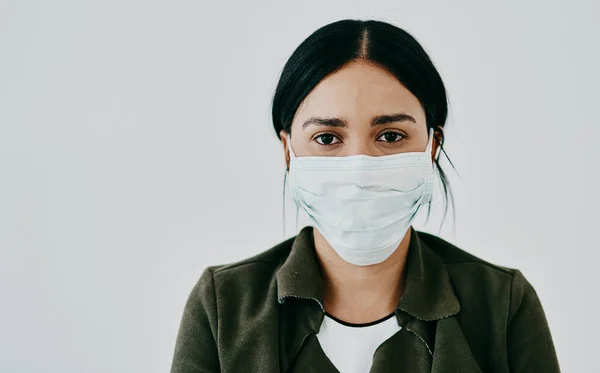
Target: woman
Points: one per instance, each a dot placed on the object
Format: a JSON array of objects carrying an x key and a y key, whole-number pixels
[{"x": 360, "y": 110}]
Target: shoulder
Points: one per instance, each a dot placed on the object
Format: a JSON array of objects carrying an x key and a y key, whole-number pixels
[
  {"x": 477, "y": 281},
  {"x": 457, "y": 259},
  {"x": 265, "y": 262},
  {"x": 244, "y": 279}
]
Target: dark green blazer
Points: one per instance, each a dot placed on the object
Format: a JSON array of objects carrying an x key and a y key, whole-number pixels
[{"x": 458, "y": 313}]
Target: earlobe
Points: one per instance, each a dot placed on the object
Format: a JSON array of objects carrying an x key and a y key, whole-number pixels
[
  {"x": 439, "y": 130},
  {"x": 284, "y": 142}
]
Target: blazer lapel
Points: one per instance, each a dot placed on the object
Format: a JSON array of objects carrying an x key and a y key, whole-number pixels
[
  {"x": 313, "y": 359},
  {"x": 451, "y": 350},
  {"x": 403, "y": 352}
]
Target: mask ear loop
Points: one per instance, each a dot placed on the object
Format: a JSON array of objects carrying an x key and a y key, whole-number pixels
[
  {"x": 427, "y": 153},
  {"x": 429, "y": 142},
  {"x": 283, "y": 204},
  {"x": 283, "y": 201},
  {"x": 297, "y": 209},
  {"x": 292, "y": 155},
  {"x": 439, "y": 149}
]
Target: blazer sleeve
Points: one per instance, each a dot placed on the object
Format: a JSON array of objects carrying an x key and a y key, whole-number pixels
[
  {"x": 529, "y": 342},
  {"x": 196, "y": 347}
]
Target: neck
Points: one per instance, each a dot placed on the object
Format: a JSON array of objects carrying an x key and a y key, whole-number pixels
[{"x": 360, "y": 294}]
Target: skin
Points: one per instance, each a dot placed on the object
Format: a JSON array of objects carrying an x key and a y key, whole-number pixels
[{"x": 356, "y": 94}]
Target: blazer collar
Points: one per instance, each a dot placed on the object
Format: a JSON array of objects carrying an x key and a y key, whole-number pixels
[{"x": 428, "y": 293}]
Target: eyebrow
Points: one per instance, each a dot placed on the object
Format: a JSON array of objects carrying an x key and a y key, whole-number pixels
[{"x": 377, "y": 120}]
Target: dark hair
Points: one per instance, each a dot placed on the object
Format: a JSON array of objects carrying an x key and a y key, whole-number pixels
[{"x": 337, "y": 44}]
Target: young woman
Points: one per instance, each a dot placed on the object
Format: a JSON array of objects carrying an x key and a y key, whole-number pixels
[{"x": 360, "y": 110}]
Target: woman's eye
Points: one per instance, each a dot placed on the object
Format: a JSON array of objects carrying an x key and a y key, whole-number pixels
[
  {"x": 326, "y": 139},
  {"x": 391, "y": 137},
  {"x": 330, "y": 139}
]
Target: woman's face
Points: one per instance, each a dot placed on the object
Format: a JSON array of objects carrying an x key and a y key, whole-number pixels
[{"x": 361, "y": 109}]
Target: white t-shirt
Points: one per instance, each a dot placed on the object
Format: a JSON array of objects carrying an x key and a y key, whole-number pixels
[{"x": 350, "y": 347}]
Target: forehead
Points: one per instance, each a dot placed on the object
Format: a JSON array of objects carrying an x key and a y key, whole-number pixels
[{"x": 358, "y": 92}]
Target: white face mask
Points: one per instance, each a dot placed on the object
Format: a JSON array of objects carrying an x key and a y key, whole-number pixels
[{"x": 363, "y": 205}]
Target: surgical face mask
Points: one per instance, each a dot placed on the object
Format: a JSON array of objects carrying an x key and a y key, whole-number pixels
[{"x": 362, "y": 205}]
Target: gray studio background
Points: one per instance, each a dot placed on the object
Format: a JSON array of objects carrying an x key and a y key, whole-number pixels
[{"x": 136, "y": 148}]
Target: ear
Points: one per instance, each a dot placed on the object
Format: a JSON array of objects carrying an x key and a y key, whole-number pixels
[
  {"x": 438, "y": 140},
  {"x": 284, "y": 141}
]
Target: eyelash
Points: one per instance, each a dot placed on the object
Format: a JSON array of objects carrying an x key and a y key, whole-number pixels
[{"x": 331, "y": 134}]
